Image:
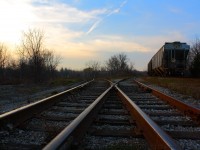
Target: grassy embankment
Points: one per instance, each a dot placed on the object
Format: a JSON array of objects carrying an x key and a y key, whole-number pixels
[{"x": 186, "y": 86}]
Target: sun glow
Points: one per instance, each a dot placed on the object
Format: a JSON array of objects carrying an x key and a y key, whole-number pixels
[{"x": 16, "y": 16}]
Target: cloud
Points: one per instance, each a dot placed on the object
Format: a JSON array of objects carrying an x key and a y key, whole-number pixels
[
  {"x": 101, "y": 44},
  {"x": 112, "y": 44},
  {"x": 15, "y": 16},
  {"x": 55, "y": 18},
  {"x": 155, "y": 42},
  {"x": 98, "y": 48},
  {"x": 64, "y": 13},
  {"x": 51, "y": 16},
  {"x": 76, "y": 52}
]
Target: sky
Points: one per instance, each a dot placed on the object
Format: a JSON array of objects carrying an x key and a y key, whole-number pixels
[{"x": 80, "y": 31}]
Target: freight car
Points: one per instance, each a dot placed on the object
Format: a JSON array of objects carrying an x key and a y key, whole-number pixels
[{"x": 170, "y": 60}]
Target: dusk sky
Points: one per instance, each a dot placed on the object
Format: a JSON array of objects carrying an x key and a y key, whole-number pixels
[{"x": 84, "y": 30}]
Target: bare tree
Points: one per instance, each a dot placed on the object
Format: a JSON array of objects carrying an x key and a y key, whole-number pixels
[
  {"x": 113, "y": 64},
  {"x": 35, "y": 59},
  {"x": 3, "y": 55},
  {"x": 195, "y": 58},
  {"x": 95, "y": 65},
  {"x": 118, "y": 64},
  {"x": 123, "y": 61},
  {"x": 3, "y": 60},
  {"x": 31, "y": 50},
  {"x": 51, "y": 61},
  {"x": 92, "y": 68},
  {"x": 131, "y": 66}
]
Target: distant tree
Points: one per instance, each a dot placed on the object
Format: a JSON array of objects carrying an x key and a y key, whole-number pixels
[
  {"x": 92, "y": 68},
  {"x": 51, "y": 62},
  {"x": 36, "y": 62},
  {"x": 88, "y": 72},
  {"x": 12, "y": 72},
  {"x": 123, "y": 61},
  {"x": 8, "y": 66},
  {"x": 131, "y": 66},
  {"x": 68, "y": 73},
  {"x": 195, "y": 58},
  {"x": 3, "y": 55},
  {"x": 119, "y": 64},
  {"x": 3, "y": 60},
  {"x": 113, "y": 64},
  {"x": 31, "y": 51}
]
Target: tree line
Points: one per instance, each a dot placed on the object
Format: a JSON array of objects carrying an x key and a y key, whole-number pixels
[
  {"x": 116, "y": 66},
  {"x": 37, "y": 64}
]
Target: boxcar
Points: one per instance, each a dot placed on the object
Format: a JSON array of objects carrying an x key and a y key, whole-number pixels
[{"x": 170, "y": 60}]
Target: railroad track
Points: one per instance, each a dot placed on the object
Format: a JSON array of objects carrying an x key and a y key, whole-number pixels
[
  {"x": 34, "y": 125},
  {"x": 112, "y": 121},
  {"x": 113, "y": 128},
  {"x": 179, "y": 120}
]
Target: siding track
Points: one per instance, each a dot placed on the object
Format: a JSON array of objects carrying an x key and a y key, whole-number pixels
[
  {"x": 176, "y": 122},
  {"x": 44, "y": 123}
]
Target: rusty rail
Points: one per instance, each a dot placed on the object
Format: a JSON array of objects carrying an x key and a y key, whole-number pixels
[
  {"x": 77, "y": 128},
  {"x": 187, "y": 109},
  {"x": 156, "y": 137},
  {"x": 15, "y": 117},
  {"x": 73, "y": 133}
]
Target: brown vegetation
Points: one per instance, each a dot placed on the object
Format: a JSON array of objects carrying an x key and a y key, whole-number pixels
[
  {"x": 194, "y": 58},
  {"x": 187, "y": 86}
]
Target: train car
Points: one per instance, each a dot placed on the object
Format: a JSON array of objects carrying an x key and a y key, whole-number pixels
[
  {"x": 170, "y": 60},
  {"x": 150, "y": 72}
]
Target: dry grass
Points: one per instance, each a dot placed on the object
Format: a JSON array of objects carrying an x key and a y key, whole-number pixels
[{"x": 187, "y": 86}]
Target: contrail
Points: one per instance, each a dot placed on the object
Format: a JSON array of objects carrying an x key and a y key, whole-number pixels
[
  {"x": 123, "y": 3},
  {"x": 94, "y": 26},
  {"x": 115, "y": 11}
]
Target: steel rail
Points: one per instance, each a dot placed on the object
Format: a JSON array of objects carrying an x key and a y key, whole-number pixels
[
  {"x": 156, "y": 137},
  {"x": 15, "y": 117},
  {"x": 187, "y": 109},
  {"x": 77, "y": 128}
]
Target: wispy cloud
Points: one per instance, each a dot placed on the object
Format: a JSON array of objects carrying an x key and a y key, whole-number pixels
[
  {"x": 104, "y": 44},
  {"x": 117, "y": 10},
  {"x": 64, "y": 13},
  {"x": 61, "y": 14},
  {"x": 98, "y": 21},
  {"x": 155, "y": 42},
  {"x": 45, "y": 14}
]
